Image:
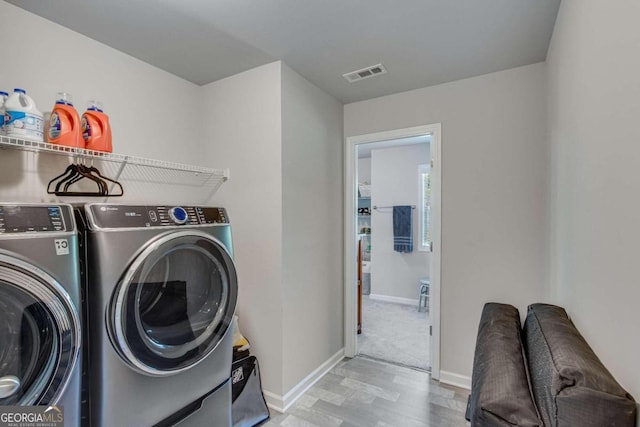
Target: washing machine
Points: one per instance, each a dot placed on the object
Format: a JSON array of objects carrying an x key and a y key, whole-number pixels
[
  {"x": 40, "y": 322},
  {"x": 161, "y": 294}
]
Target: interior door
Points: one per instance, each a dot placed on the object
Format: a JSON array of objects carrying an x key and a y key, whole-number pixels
[
  {"x": 39, "y": 335},
  {"x": 174, "y": 303}
]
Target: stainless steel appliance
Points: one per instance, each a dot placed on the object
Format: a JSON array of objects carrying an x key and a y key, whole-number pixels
[
  {"x": 40, "y": 324},
  {"x": 162, "y": 292}
]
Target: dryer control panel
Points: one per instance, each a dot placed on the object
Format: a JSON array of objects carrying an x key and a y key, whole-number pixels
[
  {"x": 33, "y": 218},
  {"x": 137, "y": 216}
]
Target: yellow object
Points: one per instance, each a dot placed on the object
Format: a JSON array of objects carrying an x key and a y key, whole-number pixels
[{"x": 239, "y": 341}]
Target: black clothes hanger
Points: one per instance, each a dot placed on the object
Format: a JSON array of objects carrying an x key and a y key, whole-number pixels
[
  {"x": 70, "y": 171},
  {"x": 104, "y": 178},
  {"x": 77, "y": 172},
  {"x": 86, "y": 172}
]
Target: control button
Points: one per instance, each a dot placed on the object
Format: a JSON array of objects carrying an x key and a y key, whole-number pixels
[
  {"x": 178, "y": 215},
  {"x": 152, "y": 216}
]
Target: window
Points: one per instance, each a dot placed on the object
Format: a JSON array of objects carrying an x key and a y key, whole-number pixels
[{"x": 425, "y": 205}]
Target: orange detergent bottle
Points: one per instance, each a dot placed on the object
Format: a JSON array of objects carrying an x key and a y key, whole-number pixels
[
  {"x": 96, "y": 130},
  {"x": 64, "y": 123}
]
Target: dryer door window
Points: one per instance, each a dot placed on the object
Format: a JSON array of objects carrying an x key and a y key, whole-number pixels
[
  {"x": 174, "y": 304},
  {"x": 39, "y": 335}
]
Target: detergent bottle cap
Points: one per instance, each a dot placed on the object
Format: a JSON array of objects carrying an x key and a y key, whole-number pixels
[
  {"x": 20, "y": 90},
  {"x": 94, "y": 105},
  {"x": 64, "y": 98}
]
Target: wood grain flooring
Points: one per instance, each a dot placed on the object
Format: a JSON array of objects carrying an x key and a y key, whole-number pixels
[{"x": 369, "y": 393}]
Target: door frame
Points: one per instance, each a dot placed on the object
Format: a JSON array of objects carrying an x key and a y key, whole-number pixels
[{"x": 350, "y": 243}]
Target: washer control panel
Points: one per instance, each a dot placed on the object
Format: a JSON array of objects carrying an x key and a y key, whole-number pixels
[
  {"x": 137, "y": 216},
  {"x": 32, "y": 218}
]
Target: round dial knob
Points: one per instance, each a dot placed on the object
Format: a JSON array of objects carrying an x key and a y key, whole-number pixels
[{"x": 178, "y": 215}]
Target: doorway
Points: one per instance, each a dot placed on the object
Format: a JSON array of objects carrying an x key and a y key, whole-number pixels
[{"x": 390, "y": 285}]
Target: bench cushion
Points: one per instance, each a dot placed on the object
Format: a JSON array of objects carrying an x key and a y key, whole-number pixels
[
  {"x": 570, "y": 385},
  {"x": 500, "y": 392}
]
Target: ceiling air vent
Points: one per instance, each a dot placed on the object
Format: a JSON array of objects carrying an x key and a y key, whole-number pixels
[{"x": 365, "y": 73}]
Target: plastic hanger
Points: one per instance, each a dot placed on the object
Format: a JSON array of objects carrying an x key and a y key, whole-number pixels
[
  {"x": 77, "y": 172},
  {"x": 70, "y": 170},
  {"x": 85, "y": 172}
]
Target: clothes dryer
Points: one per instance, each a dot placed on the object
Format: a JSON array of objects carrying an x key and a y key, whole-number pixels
[
  {"x": 40, "y": 325},
  {"x": 162, "y": 290}
]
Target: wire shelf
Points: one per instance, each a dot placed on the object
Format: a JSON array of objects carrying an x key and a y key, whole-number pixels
[{"x": 137, "y": 172}]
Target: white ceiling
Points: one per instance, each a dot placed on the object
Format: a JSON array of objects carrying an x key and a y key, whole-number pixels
[{"x": 420, "y": 42}]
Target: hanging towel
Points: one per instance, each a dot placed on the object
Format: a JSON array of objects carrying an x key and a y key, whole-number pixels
[{"x": 402, "y": 229}]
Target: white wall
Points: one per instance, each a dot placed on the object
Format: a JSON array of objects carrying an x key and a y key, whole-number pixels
[
  {"x": 364, "y": 170},
  {"x": 281, "y": 137},
  {"x": 395, "y": 181},
  {"x": 493, "y": 191},
  {"x": 152, "y": 113},
  {"x": 242, "y": 123},
  {"x": 593, "y": 68},
  {"x": 312, "y": 126}
]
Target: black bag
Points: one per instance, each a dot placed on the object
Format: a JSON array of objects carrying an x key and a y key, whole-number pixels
[{"x": 249, "y": 407}]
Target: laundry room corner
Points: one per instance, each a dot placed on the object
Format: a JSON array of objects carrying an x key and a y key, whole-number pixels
[{"x": 247, "y": 123}]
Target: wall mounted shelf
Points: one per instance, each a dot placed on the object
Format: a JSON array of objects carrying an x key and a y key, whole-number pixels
[{"x": 131, "y": 169}]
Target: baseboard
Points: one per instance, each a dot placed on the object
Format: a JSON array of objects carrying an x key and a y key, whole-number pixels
[
  {"x": 274, "y": 401},
  {"x": 397, "y": 300},
  {"x": 455, "y": 380},
  {"x": 298, "y": 390},
  {"x": 282, "y": 403}
]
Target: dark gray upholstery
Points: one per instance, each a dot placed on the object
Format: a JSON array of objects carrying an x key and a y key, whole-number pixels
[
  {"x": 500, "y": 394},
  {"x": 570, "y": 385}
]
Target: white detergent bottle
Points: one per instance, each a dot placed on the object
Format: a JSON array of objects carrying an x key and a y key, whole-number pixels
[
  {"x": 3, "y": 98},
  {"x": 22, "y": 118}
]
